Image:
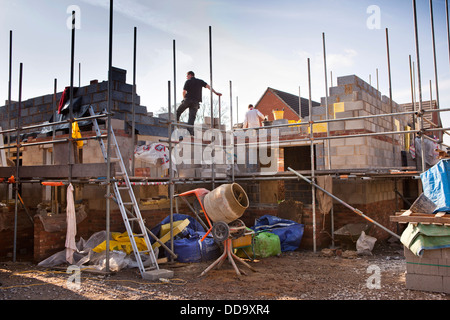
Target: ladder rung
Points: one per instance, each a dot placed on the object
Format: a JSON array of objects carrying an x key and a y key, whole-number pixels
[
  {"x": 114, "y": 159},
  {"x": 151, "y": 268},
  {"x": 139, "y": 235},
  {"x": 133, "y": 219},
  {"x": 123, "y": 188},
  {"x": 127, "y": 203}
]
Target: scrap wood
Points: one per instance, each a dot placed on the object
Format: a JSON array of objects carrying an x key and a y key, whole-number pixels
[
  {"x": 176, "y": 230},
  {"x": 440, "y": 218}
]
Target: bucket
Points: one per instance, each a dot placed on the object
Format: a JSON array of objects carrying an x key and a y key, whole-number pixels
[
  {"x": 226, "y": 203},
  {"x": 278, "y": 114},
  {"x": 423, "y": 205}
]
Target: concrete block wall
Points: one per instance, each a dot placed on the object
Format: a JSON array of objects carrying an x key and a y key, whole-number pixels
[
  {"x": 358, "y": 99},
  {"x": 431, "y": 272},
  {"x": 40, "y": 109}
]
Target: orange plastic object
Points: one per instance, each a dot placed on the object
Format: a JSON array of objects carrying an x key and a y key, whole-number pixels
[
  {"x": 53, "y": 184},
  {"x": 200, "y": 193}
]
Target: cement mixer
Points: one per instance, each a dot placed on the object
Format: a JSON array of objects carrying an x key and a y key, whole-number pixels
[{"x": 222, "y": 208}]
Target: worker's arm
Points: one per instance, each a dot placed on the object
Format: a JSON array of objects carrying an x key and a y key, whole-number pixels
[
  {"x": 209, "y": 87},
  {"x": 184, "y": 94},
  {"x": 260, "y": 115}
]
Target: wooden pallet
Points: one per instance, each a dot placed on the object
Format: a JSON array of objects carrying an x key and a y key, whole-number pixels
[{"x": 440, "y": 218}]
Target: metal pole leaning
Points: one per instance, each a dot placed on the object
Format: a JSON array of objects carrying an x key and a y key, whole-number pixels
[
  {"x": 419, "y": 84},
  {"x": 345, "y": 204},
  {"x": 311, "y": 132}
]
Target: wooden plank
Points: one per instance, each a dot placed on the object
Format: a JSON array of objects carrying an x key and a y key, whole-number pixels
[
  {"x": 176, "y": 230},
  {"x": 430, "y": 219},
  {"x": 86, "y": 170}
]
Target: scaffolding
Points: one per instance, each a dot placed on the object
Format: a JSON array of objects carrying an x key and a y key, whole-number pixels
[{"x": 172, "y": 181}]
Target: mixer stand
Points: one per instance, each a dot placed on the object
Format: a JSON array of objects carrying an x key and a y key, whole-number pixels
[{"x": 219, "y": 233}]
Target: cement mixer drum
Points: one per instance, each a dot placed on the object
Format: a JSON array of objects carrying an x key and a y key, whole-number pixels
[{"x": 226, "y": 203}]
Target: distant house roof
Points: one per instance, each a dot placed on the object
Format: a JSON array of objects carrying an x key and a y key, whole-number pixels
[{"x": 292, "y": 101}]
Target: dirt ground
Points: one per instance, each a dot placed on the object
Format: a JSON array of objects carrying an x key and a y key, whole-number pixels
[{"x": 297, "y": 275}]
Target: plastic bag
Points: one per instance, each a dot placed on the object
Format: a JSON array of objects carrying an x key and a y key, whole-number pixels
[
  {"x": 121, "y": 242},
  {"x": 289, "y": 232},
  {"x": 151, "y": 153},
  {"x": 436, "y": 185},
  {"x": 365, "y": 244}
]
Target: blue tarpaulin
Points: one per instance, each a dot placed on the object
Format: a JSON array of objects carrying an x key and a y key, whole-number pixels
[
  {"x": 187, "y": 245},
  {"x": 436, "y": 185},
  {"x": 289, "y": 232}
]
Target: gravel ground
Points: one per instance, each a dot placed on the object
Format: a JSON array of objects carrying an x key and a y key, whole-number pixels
[{"x": 298, "y": 275}]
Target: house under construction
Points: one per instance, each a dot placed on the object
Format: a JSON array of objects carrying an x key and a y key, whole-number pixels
[{"x": 346, "y": 160}]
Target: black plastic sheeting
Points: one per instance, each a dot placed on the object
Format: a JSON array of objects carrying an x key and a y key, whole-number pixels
[{"x": 78, "y": 111}]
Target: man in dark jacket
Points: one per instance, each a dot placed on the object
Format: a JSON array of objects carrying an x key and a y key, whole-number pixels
[{"x": 192, "y": 95}]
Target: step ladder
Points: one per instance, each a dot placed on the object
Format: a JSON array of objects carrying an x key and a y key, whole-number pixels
[{"x": 130, "y": 210}]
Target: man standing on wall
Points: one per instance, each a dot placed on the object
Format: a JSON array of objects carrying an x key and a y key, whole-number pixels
[
  {"x": 192, "y": 95},
  {"x": 253, "y": 117}
]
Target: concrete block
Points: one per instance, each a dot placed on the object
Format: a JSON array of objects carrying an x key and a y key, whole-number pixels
[
  {"x": 345, "y": 150},
  {"x": 354, "y": 105},
  {"x": 158, "y": 274},
  {"x": 346, "y": 80},
  {"x": 356, "y": 141},
  {"x": 444, "y": 267},
  {"x": 446, "y": 284},
  {"x": 354, "y": 124},
  {"x": 432, "y": 283},
  {"x": 337, "y": 126},
  {"x": 117, "y": 124},
  {"x": 356, "y": 161}
]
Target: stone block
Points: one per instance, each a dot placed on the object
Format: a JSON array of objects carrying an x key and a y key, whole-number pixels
[
  {"x": 432, "y": 283},
  {"x": 346, "y": 80},
  {"x": 157, "y": 274},
  {"x": 354, "y": 124},
  {"x": 354, "y": 105},
  {"x": 345, "y": 151}
]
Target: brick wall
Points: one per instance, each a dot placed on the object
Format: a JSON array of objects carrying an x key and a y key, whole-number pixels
[
  {"x": 270, "y": 101},
  {"x": 24, "y": 241}
]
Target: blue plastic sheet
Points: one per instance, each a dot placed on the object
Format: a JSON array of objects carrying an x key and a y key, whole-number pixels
[
  {"x": 191, "y": 249},
  {"x": 436, "y": 185},
  {"x": 289, "y": 232},
  {"x": 187, "y": 245}
]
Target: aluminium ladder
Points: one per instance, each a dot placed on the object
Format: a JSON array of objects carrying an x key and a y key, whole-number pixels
[{"x": 125, "y": 207}]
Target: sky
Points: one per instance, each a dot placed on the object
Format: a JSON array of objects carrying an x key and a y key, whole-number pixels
[{"x": 255, "y": 44}]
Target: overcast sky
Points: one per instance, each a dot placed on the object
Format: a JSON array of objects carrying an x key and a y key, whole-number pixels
[{"x": 255, "y": 44}]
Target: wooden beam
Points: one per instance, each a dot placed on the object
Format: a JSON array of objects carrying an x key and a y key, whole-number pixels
[{"x": 437, "y": 218}]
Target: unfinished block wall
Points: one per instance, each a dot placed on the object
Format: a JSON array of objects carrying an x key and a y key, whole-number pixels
[{"x": 353, "y": 98}]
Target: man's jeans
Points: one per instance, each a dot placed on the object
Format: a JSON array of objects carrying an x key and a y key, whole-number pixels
[{"x": 193, "y": 108}]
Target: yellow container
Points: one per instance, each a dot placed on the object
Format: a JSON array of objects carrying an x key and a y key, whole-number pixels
[
  {"x": 244, "y": 241},
  {"x": 278, "y": 114}
]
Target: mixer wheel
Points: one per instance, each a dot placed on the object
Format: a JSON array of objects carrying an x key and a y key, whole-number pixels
[
  {"x": 237, "y": 228},
  {"x": 220, "y": 231}
]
